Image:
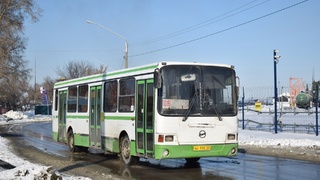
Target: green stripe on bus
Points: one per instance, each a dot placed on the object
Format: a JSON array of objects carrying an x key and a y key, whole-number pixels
[
  {"x": 105, "y": 118},
  {"x": 81, "y": 140},
  {"x": 80, "y": 79},
  {"x": 78, "y": 117},
  {"x": 95, "y": 127},
  {"x": 110, "y": 144},
  {"x": 150, "y": 80},
  {"x": 55, "y": 136},
  {"x": 73, "y": 117},
  {"x": 95, "y": 87},
  {"x": 118, "y": 118},
  {"x": 186, "y": 151},
  {"x": 101, "y": 76},
  {"x": 133, "y": 70}
]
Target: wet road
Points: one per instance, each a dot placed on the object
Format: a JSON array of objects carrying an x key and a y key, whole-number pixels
[{"x": 243, "y": 166}]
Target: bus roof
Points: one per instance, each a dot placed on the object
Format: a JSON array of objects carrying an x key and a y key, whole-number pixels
[{"x": 146, "y": 69}]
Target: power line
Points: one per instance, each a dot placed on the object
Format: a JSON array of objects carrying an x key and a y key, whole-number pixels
[
  {"x": 221, "y": 31},
  {"x": 200, "y": 25}
]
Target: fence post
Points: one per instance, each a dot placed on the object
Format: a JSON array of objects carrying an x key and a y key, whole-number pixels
[
  {"x": 317, "y": 107},
  {"x": 243, "y": 108}
]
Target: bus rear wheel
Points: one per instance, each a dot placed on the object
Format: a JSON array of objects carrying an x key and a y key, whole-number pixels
[
  {"x": 72, "y": 147},
  {"x": 125, "y": 151}
]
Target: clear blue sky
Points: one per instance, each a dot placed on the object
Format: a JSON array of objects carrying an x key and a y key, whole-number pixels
[{"x": 226, "y": 31}]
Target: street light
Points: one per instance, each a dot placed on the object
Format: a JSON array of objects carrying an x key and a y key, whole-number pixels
[
  {"x": 275, "y": 61},
  {"x": 125, "y": 57}
]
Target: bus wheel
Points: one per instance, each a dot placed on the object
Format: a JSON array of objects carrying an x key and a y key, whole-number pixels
[
  {"x": 192, "y": 160},
  {"x": 84, "y": 149},
  {"x": 72, "y": 147},
  {"x": 125, "y": 151}
]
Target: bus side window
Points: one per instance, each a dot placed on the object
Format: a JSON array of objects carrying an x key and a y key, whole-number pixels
[
  {"x": 126, "y": 96},
  {"x": 56, "y": 100},
  {"x": 83, "y": 98},
  {"x": 110, "y": 96},
  {"x": 72, "y": 99}
]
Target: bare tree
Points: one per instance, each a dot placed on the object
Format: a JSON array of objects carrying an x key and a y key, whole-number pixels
[
  {"x": 33, "y": 94},
  {"x": 14, "y": 91},
  {"x": 101, "y": 69},
  {"x": 48, "y": 85},
  {"x": 13, "y": 72},
  {"x": 12, "y": 43},
  {"x": 76, "y": 69}
]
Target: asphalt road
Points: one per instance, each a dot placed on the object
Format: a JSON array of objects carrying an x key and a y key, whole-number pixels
[{"x": 33, "y": 142}]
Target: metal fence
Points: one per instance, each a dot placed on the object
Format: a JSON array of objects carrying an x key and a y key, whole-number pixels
[{"x": 257, "y": 113}]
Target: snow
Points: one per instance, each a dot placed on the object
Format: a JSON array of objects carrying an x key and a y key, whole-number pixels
[
  {"x": 25, "y": 169},
  {"x": 279, "y": 140},
  {"x": 28, "y": 170}
]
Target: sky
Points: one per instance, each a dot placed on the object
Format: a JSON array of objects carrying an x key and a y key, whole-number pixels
[
  {"x": 240, "y": 33},
  {"x": 246, "y": 137}
]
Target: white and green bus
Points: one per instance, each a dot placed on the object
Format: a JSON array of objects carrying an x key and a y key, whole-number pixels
[{"x": 159, "y": 111}]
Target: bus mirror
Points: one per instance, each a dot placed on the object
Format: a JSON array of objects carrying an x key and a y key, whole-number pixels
[
  {"x": 157, "y": 78},
  {"x": 238, "y": 87},
  {"x": 237, "y": 92}
]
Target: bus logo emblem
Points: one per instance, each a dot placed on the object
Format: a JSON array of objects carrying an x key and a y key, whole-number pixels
[{"x": 202, "y": 134}]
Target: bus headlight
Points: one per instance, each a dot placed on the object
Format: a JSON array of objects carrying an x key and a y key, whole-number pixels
[
  {"x": 169, "y": 138},
  {"x": 165, "y": 138},
  {"x": 231, "y": 137}
]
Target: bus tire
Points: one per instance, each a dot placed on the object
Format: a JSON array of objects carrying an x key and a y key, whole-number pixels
[
  {"x": 125, "y": 155},
  {"x": 192, "y": 160},
  {"x": 72, "y": 147},
  {"x": 84, "y": 149}
]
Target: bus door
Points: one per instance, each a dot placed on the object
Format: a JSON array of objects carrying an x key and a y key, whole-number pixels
[
  {"x": 62, "y": 116},
  {"x": 95, "y": 110},
  {"x": 145, "y": 118}
]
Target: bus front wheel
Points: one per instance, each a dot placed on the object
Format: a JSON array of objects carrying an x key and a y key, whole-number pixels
[
  {"x": 192, "y": 160},
  {"x": 125, "y": 151}
]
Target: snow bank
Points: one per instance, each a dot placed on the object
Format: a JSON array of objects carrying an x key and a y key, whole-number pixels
[
  {"x": 27, "y": 170},
  {"x": 18, "y": 116},
  {"x": 280, "y": 140},
  {"x": 24, "y": 169}
]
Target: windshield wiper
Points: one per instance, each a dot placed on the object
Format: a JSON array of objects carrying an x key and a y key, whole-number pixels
[
  {"x": 216, "y": 111},
  {"x": 190, "y": 107}
]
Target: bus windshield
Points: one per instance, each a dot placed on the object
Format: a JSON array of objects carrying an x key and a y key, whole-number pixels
[{"x": 197, "y": 91}]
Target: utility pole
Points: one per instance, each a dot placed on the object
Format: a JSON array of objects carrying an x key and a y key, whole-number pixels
[
  {"x": 125, "y": 56},
  {"x": 275, "y": 61},
  {"x": 35, "y": 81}
]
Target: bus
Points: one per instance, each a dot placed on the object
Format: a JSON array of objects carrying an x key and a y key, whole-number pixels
[{"x": 158, "y": 111}]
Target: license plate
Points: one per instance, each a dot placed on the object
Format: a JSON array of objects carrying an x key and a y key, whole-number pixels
[{"x": 201, "y": 148}]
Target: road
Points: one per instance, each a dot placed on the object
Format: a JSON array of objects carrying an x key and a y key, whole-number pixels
[{"x": 33, "y": 142}]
